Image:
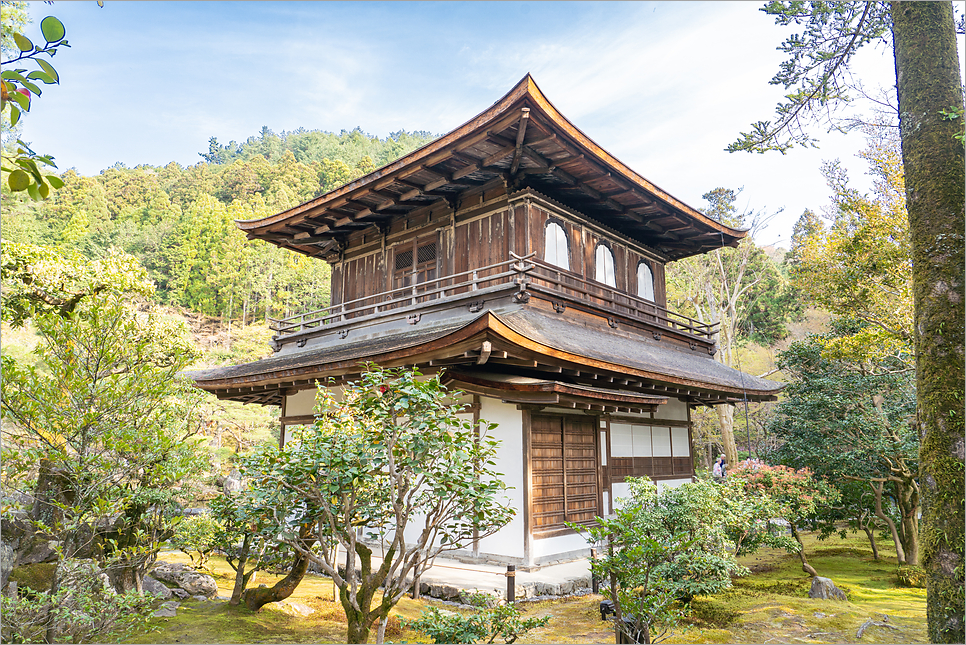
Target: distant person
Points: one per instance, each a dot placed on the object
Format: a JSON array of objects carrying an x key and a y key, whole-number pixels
[{"x": 719, "y": 470}]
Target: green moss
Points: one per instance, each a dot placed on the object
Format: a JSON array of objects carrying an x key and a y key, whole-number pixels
[
  {"x": 772, "y": 601},
  {"x": 38, "y": 577}
]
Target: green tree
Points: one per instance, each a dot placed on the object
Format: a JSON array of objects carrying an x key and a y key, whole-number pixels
[
  {"x": 39, "y": 281},
  {"x": 664, "y": 547},
  {"x": 849, "y": 420},
  {"x": 248, "y": 538},
  {"x": 861, "y": 266},
  {"x": 22, "y": 169},
  {"x": 727, "y": 286},
  {"x": 395, "y": 459},
  {"x": 101, "y": 423},
  {"x": 929, "y": 88},
  {"x": 799, "y": 496}
]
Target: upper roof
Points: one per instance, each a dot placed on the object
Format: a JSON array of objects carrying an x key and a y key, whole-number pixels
[{"x": 524, "y": 140}]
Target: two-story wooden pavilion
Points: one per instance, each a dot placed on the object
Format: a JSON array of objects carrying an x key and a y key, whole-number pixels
[{"x": 529, "y": 263}]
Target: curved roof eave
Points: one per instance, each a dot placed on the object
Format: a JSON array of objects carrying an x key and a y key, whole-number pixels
[{"x": 524, "y": 91}]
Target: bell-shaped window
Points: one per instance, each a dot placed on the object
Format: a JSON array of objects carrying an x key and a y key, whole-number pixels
[
  {"x": 645, "y": 281},
  {"x": 557, "y": 251},
  {"x": 604, "y": 263}
]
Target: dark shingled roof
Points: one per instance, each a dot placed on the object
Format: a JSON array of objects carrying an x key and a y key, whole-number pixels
[
  {"x": 359, "y": 350},
  {"x": 632, "y": 350},
  {"x": 607, "y": 348}
]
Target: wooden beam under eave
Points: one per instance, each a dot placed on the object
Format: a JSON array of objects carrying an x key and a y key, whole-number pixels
[
  {"x": 497, "y": 156},
  {"x": 521, "y": 134}
]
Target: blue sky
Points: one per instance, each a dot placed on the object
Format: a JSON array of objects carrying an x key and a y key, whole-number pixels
[{"x": 663, "y": 86}]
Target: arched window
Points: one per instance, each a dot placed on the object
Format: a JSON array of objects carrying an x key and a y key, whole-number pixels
[
  {"x": 557, "y": 251},
  {"x": 645, "y": 281},
  {"x": 604, "y": 263}
]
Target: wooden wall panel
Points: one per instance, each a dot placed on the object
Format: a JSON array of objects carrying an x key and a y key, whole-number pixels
[
  {"x": 660, "y": 289},
  {"x": 336, "y": 285},
  {"x": 538, "y": 231}
]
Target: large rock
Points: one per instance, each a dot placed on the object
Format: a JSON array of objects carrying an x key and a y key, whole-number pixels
[
  {"x": 152, "y": 586},
  {"x": 825, "y": 589},
  {"x": 83, "y": 576},
  {"x": 167, "y": 609},
  {"x": 7, "y": 558},
  {"x": 195, "y": 583}
]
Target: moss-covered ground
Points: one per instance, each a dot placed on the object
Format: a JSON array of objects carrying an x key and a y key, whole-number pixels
[{"x": 769, "y": 606}]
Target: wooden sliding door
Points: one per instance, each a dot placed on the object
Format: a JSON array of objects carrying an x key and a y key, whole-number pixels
[{"x": 563, "y": 450}]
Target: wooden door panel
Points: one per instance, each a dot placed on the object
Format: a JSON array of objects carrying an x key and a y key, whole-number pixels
[{"x": 564, "y": 465}]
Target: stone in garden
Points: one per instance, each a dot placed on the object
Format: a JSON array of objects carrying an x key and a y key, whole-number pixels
[
  {"x": 167, "y": 609},
  {"x": 231, "y": 485},
  {"x": 825, "y": 589},
  {"x": 152, "y": 586},
  {"x": 179, "y": 593},
  {"x": 194, "y": 582},
  {"x": 83, "y": 574},
  {"x": 296, "y": 608}
]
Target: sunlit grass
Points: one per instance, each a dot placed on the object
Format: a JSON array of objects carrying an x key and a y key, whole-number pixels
[{"x": 769, "y": 606}]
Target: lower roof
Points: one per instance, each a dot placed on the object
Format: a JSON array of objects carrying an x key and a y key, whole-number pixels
[{"x": 522, "y": 341}]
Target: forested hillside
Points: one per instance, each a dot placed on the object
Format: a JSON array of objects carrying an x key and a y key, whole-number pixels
[{"x": 179, "y": 221}]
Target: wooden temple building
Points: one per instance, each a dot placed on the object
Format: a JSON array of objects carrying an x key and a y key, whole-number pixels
[{"x": 528, "y": 263}]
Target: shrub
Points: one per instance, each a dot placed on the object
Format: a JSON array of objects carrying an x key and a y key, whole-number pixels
[
  {"x": 197, "y": 536},
  {"x": 490, "y": 622},
  {"x": 85, "y": 609},
  {"x": 911, "y": 576}
]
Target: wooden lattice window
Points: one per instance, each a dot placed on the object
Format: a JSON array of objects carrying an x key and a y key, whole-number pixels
[{"x": 415, "y": 259}]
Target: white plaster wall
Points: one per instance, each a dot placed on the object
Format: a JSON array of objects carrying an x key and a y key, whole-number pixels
[
  {"x": 509, "y": 461},
  {"x": 674, "y": 409},
  {"x": 672, "y": 483},
  {"x": 622, "y": 490},
  {"x": 302, "y": 402},
  {"x": 545, "y": 547}
]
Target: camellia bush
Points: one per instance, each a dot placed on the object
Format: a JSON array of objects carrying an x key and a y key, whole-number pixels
[
  {"x": 797, "y": 494},
  {"x": 490, "y": 622},
  {"x": 663, "y": 547},
  {"x": 391, "y": 456}
]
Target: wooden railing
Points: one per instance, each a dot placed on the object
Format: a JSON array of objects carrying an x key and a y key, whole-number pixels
[
  {"x": 524, "y": 271},
  {"x": 572, "y": 284},
  {"x": 506, "y": 272}
]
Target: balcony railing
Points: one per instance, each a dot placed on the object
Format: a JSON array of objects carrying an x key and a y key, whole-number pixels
[{"x": 523, "y": 271}]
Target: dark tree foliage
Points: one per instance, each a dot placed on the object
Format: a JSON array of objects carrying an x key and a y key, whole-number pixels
[{"x": 851, "y": 423}]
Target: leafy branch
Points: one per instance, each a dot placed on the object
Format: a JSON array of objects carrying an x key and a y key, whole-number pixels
[
  {"x": 819, "y": 57},
  {"x": 22, "y": 167}
]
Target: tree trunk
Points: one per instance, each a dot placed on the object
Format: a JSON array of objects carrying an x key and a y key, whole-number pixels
[
  {"x": 358, "y": 631},
  {"x": 806, "y": 567},
  {"x": 381, "y": 633},
  {"x": 241, "y": 580},
  {"x": 869, "y": 533},
  {"x": 908, "y": 502},
  {"x": 257, "y": 598},
  {"x": 900, "y": 552},
  {"x": 726, "y": 419},
  {"x": 928, "y": 80}
]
